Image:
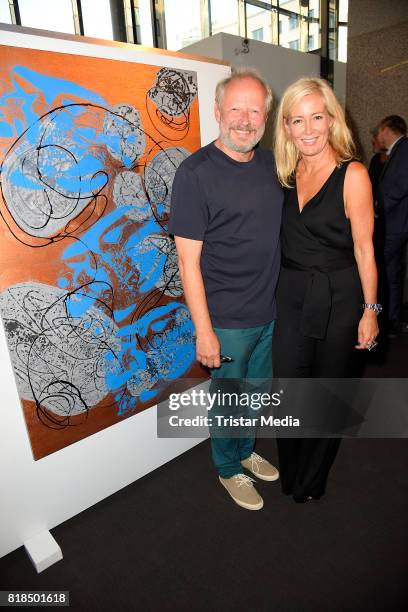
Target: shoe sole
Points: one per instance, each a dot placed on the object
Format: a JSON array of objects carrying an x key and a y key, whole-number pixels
[
  {"x": 241, "y": 503},
  {"x": 261, "y": 476}
]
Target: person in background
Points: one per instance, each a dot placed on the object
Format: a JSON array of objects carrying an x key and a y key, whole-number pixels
[
  {"x": 327, "y": 291},
  {"x": 376, "y": 163},
  {"x": 225, "y": 217},
  {"x": 375, "y": 170},
  {"x": 393, "y": 199}
]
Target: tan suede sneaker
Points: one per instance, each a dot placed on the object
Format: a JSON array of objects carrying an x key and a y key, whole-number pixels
[
  {"x": 260, "y": 467},
  {"x": 242, "y": 491}
]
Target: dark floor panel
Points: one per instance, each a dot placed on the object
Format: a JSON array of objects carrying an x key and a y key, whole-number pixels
[
  {"x": 390, "y": 358},
  {"x": 174, "y": 541}
]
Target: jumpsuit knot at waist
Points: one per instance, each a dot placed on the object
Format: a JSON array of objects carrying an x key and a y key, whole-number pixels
[{"x": 318, "y": 297}]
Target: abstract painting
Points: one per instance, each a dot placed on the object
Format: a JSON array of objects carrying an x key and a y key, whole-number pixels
[{"x": 90, "y": 293}]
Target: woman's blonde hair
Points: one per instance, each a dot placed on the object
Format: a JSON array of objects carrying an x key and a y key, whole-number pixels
[{"x": 286, "y": 153}]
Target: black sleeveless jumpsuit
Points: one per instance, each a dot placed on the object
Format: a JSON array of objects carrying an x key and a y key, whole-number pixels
[{"x": 319, "y": 301}]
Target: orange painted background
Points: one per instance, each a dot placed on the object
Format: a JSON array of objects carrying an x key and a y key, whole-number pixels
[{"x": 40, "y": 257}]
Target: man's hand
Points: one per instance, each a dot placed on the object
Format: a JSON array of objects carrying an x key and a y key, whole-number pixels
[
  {"x": 208, "y": 350},
  {"x": 207, "y": 344}
]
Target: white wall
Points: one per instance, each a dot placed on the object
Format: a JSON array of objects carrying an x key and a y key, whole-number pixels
[
  {"x": 211, "y": 46},
  {"x": 278, "y": 65},
  {"x": 38, "y": 495}
]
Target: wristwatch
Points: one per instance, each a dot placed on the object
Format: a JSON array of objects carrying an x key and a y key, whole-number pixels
[{"x": 376, "y": 307}]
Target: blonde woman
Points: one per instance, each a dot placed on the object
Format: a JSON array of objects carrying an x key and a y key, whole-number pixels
[{"x": 327, "y": 291}]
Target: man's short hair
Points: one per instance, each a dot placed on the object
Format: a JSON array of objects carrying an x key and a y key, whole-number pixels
[
  {"x": 243, "y": 73},
  {"x": 395, "y": 123}
]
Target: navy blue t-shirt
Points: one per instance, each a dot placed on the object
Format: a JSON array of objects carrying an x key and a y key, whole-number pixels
[{"x": 235, "y": 209}]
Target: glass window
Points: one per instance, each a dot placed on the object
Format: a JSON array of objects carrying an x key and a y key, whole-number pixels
[
  {"x": 343, "y": 10},
  {"x": 314, "y": 9},
  {"x": 183, "y": 23},
  {"x": 293, "y": 22},
  {"x": 333, "y": 29},
  {"x": 332, "y": 48},
  {"x": 97, "y": 18},
  {"x": 5, "y": 16},
  {"x": 271, "y": 2},
  {"x": 283, "y": 30},
  {"x": 144, "y": 18},
  {"x": 314, "y": 36},
  {"x": 290, "y": 5},
  {"x": 294, "y": 44},
  {"x": 47, "y": 15},
  {"x": 342, "y": 42},
  {"x": 314, "y": 25},
  {"x": 224, "y": 16},
  {"x": 257, "y": 34},
  {"x": 248, "y": 3},
  {"x": 288, "y": 34},
  {"x": 261, "y": 21}
]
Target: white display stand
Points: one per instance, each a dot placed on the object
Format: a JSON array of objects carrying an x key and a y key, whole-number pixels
[
  {"x": 43, "y": 550},
  {"x": 39, "y": 495}
]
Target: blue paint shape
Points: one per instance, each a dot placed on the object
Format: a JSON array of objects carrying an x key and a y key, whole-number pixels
[
  {"x": 121, "y": 315},
  {"x": 161, "y": 208},
  {"x": 125, "y": 403},
  {"x": 91, "y": 239},
  {"x": 141, "y": 326},
  {"x": 51, "y": 87},
  {"x": 87, "y": 165},
  {"x": 22, "y": 180},
  {"x": 147, "y": 395},
  {"x": 77, "y": 305},
  {"x": 5, "y": 130},
  {"x": 113, "y": 236},
  {"x": 116, "y": 380},
  {"x": 159, "y": 325}
]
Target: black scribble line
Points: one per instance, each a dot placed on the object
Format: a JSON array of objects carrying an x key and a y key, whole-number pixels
[
  {"x": 38, "y": 363},
  {"x": 172, "y": 94},
  {"x": 62, "y": 235},
  {"x": 61, "y": 391}
]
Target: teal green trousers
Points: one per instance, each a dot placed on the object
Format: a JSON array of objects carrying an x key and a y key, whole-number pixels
[{"x": 251, "y": 350}]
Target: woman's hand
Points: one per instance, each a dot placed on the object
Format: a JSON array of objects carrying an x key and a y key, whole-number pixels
[{"x": 367, "y": 329}]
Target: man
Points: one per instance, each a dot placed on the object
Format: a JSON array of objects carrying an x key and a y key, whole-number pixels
[
  {"x": 375, "y": 171},
  {"x": 377, "y": 162},
  {"x": 393, "y": 187},
  {"x": 225, "y": 216}
]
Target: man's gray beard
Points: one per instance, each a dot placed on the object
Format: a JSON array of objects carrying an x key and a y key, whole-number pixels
[{"x": 228, "y": 142}]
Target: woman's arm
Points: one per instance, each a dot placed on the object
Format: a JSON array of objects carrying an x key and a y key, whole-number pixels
[{"x": 358, "y": 202}]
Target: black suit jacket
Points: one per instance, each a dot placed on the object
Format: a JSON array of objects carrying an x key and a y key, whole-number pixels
[{"x": 394, "y": 189}]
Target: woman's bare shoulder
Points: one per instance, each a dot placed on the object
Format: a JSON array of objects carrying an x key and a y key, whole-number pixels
[{"x": 356, "y": 170}]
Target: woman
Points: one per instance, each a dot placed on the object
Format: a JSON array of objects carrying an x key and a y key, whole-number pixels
[{"x": 327, "y": 289}]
